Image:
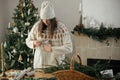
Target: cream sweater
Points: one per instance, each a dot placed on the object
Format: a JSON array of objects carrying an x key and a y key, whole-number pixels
[{"x": 61, "y": 45}]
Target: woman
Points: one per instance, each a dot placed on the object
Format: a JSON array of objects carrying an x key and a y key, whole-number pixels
[{"x": 49, "y": 37}]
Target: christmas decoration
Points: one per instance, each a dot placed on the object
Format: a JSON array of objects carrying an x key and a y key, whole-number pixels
[
  {"x": 93, "y": 71},
  {"x": 65, "y": 65},
  {"x": 94, "y": 30},
  {"x": 100, "y": 34},
  {"x": 16, "y": 51},
  {"x": 15, "y": 30},
  {"x": 22, "y": 74},
  {"x": 20, "y": 58}
]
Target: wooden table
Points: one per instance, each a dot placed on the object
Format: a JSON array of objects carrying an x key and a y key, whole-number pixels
[{"x": 36, "y": 75}]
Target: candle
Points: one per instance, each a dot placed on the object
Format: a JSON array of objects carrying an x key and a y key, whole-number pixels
[
  {"x": 9, "y": 25},
  {"x": 80, "y": 7},
  {"x": 2, "y": 56}
]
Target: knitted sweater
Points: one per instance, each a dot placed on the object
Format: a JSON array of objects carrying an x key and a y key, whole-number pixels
[{"x": 61, "y": 45}]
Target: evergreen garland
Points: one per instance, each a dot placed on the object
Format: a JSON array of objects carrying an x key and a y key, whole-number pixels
[
  {"x": 99, "y": 34},
  {"x": 93, "y": 71}
]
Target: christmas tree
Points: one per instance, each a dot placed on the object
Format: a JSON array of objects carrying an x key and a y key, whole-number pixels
[{"x": 17, "y": 54}]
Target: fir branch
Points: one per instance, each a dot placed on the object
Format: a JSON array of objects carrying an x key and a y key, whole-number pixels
[
  {"x": 101, "y": 34},
  {"x": 93, "y": 71}
]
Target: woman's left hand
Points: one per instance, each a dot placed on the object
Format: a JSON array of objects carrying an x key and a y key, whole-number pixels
[{"x": 47, "y": 47}]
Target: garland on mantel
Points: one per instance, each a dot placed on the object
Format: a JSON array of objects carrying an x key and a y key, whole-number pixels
[{"x": 100, "y": 34}]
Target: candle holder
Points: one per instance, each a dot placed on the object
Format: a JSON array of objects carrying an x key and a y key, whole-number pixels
[
  {"x": 2, "y": 61},
  {"x": 3, "y": 74}
]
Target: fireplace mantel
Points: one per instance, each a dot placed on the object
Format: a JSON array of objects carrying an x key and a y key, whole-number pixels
[
  {"x": 89, "y": 48},
  {"x": 114, "y": 64}
]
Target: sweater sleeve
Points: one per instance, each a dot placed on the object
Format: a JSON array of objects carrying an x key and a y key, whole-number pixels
[
  {"x": 31, "y": 37},
  {"x": 67, "y": 46}
]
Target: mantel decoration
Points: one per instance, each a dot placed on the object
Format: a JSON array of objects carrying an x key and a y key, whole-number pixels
[
  {"x": 94, "y": 30},
  {"x": 98, "y": 34}
]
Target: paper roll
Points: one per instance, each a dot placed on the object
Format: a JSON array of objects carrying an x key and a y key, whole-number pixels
[{"x": 31, "y": 73}]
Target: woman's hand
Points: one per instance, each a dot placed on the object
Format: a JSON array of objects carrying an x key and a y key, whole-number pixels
[
  {"x": 37, "y": 43},
  {"x": 47, "y": 47}
]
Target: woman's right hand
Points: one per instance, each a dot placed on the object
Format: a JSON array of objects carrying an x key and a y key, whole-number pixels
[{"x": 37, "y": 43}]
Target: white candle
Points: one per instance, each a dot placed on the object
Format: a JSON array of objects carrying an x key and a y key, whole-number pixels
[
  {"x": 80, "y": 7},
  {"x": 9, "y": 25}
]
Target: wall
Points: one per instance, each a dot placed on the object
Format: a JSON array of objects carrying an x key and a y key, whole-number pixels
[
  {"x": 88, "y": 48},
  {"x": 1, "y": 21},
  {"x": 106, "y": 11},
  {"x": 65, "y": 13},
  {"x": 3, "y": 18}
]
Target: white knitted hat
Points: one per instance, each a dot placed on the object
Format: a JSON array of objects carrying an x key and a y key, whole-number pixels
[{"x": 47, "y": 10}]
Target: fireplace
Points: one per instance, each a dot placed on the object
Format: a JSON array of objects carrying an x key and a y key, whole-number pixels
[{"x": 114, "y": 64}]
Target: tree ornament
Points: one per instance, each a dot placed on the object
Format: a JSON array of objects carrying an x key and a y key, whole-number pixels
[
  {"x": 20, "y": 57},
  {"x": 24, "y": 4},
  {"x": 14, "y": 51},
  {"x": 21, "y": 35},
  {"x": 27, "y": 23},
  {"x": 31, "y": 5},
  {"x": 28, "y": 11},
  {"x": 28, "y": 59},
  {"x": 10, "y": 55},
  {"x": 5, "y": 44},
  {"x": 13, "y": 23},
  {"x": 21, "y": 8},
  {"x": 35, "y": 15},
  {"x": 22, "y": 15},
  {"x": 15, "y": 30},
  {"x": 16, "y": 15}
]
